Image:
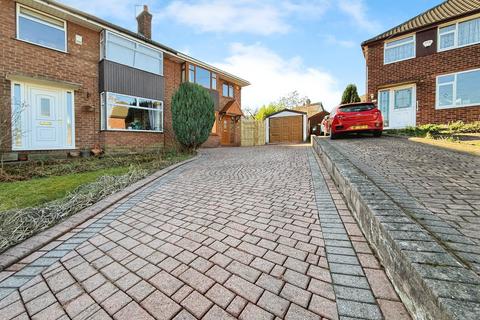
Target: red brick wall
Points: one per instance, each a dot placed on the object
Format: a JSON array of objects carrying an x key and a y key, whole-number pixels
[
  {"x": 79, "y": 65},
  {"x": 424, "y": 70}
]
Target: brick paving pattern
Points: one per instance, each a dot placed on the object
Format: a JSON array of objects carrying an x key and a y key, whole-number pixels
[
  {"x": 247, "y": 233},
  {"x": 427, "y": 182}
]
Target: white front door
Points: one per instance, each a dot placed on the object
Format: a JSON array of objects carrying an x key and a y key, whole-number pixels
[
  {"x": 398, "y": 106},
  {"x": 45, "y": 117}
]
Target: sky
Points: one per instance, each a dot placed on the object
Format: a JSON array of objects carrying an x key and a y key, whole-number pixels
[{"x": 312, "y": 46}]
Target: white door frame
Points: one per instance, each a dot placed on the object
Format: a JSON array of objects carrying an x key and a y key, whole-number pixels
[
  {"x": 25, "y": 119},
  {"x": 391, "y": 104}
]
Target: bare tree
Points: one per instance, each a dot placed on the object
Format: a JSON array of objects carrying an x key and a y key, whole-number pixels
[
  {"x": 291, "y": 100},
  {"x": 10, "y": 129}
]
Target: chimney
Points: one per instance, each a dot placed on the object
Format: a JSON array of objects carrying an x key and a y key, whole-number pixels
[{"x": 144, "y": 20}]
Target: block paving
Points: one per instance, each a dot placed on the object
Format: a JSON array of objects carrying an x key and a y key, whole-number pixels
[
  {"x": 239, "y": 233},
  {"x": 440, "y": 188}
]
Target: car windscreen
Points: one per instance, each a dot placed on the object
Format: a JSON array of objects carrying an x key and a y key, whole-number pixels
[{"x": 357, "y": 108}]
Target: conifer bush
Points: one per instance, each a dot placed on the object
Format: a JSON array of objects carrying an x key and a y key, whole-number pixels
[{"x": 193, "y": 115}]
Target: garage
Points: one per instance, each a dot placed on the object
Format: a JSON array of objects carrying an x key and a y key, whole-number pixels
[{"x": 286, "y": 126}]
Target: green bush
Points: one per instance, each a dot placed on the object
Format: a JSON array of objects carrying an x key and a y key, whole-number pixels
[
  {"x": 350, "y": 95},
  {"x": 193, "y": 115}
]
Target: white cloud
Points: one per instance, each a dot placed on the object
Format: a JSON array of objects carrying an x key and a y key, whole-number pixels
[
  {"x": 331, "y": 39},
  {"x": 250, "y": 16},
  {"x": 357, "y": 10},
  {"x": 273, "y": 76}
]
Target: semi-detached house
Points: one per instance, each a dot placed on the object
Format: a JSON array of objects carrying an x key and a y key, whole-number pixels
[
  {"x": 427, "y": 70},
  {"x": 69, "y": 80}
]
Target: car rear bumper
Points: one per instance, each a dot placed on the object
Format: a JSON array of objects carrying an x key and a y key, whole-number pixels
[{"x": 364, "y": 127}]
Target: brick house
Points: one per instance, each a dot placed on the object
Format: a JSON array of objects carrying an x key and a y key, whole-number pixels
[
  {"x": 427, "y": 70},
  {"x": 70, "y": 80}
]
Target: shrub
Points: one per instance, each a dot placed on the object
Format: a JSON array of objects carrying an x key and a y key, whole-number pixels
[
  {"x": 350, "y": 95},
  {"x": 193, "y": 115},
  {"x": 267, "y": 110}
]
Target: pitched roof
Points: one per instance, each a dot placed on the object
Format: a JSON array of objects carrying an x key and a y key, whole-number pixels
[
  {"x": 447, "y": 10},
  {"x": 93, "y": 19},
  {"x": 310, "y": 109}
]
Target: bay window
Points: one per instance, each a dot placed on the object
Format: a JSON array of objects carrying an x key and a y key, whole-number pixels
[
  {"x": 458, "y": 90},
  {"x": 41, "y": 29},
  {"x": 459, "y": 34},
  {"x": 399, "y": 50},
  {"x": 122, "y": 112},
  {"x": 131, "y": 53}
]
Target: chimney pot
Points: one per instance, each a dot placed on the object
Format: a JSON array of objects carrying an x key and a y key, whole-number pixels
[{"x": 144, "y": 20}]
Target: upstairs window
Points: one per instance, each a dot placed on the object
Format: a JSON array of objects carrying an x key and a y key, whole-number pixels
[
  {"x": 131, "y": 53},
  {"x": 202, "y": 77},
  {"x": 459, "y": 35},
  {"x": 41, "y": 29},
  {"x": 227, "y": 89},
  {"x": 399, "y": 50}
]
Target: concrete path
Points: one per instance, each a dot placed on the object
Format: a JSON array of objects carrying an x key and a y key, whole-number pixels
[
  {"x": 248, "y": 233},
  {"x": 437, "y": 183}
]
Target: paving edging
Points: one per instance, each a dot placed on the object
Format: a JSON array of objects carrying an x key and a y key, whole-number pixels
[
  {"x": 30, "y": 245},
  {"x": 429, "y": 289}
]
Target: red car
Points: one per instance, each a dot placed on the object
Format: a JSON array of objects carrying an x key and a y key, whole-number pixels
[{"x": 354, "y": 117}]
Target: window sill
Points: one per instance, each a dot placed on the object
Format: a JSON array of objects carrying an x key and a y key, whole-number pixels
[
  {"x": 41, "y": 46},
  {"x": 457, "y": 107},
  {"x": 137, "y": 131}
]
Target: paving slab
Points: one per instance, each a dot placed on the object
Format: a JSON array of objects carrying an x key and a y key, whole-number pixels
[
  {"x": 393, "y": 187},
  {"x": 247, "y": 233}
]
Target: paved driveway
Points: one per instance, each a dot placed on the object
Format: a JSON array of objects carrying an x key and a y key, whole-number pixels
[
  {"x": 440, "y": 188},
  {"x": 249, "y": 233}
]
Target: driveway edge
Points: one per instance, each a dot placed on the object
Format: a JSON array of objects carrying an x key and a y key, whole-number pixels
[
  {"x": 423, "y": 273},
  {"x": 30, "y": 245}
]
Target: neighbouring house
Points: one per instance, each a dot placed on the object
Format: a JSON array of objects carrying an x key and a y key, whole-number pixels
[
  {"x": 286, "y": 126},
  {"x": 427, "y": 70},
  {"x": 315, "y": 113},
  {"x": 70, "y": 81}
]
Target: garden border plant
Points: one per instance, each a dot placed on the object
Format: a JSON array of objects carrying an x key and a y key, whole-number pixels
[{"x": 19, "y": 224}]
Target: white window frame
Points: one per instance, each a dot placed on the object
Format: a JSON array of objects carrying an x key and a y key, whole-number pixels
[
  {"x": 104, "y": 51},
  {"x": 104, "y": 113},
  {"x": 454, "y": 95},
  {"x": 455, "y": 36},
  {"x": 413, "y": 36},
  {"x": 17, "y": 34}
]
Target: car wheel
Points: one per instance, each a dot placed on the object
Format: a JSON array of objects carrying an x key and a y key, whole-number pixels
[
  {"x": 377, "y": 134},
  {"x": 333, "y": 136}
]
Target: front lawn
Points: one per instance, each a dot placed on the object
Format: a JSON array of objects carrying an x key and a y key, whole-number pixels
[
  {"x": 44, "y": 194},
  {"x": 456, "y": 136},
  {"x": 37, "y": 191}
]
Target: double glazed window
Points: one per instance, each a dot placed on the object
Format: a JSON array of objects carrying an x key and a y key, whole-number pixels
[
  {"x": 458, "y": 90},
  {"x": 202, "y": 77},
  {"x": 122, "y": 112},
  {"x": 41, "y": 29},
  {"x": 131, "y": 53},
  {"x": 227, "y": 90},
  {"x": 459, "y": 34},
  {"x": 399, "y": 50}
]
